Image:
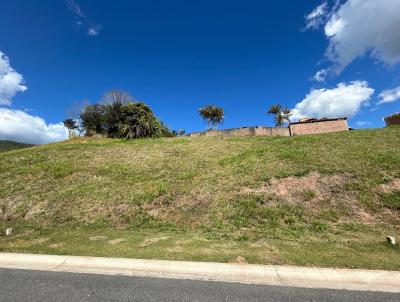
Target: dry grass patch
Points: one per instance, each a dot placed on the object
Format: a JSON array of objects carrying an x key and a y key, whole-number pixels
[
  {"x": 394, "y": 185},
  {"x": 97, "y": 238},
  {"x": 116, "y": 241},
  {"x": 312, "y": 188},
  {"x": 154, "y": 240}
]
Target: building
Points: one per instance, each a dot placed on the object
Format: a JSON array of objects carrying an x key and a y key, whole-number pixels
[
  {"x": 392, "y": 119},
  {"x": 316, "y": 126}
]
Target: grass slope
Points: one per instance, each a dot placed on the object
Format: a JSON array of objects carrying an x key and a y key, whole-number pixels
[
  {"x": 323, "y": 200},
  {"x": 10, "y": 145}
]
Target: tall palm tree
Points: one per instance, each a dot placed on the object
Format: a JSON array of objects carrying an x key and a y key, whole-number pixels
[
  {"x": 70, "y": 124},
  {"x": 282, "y": 115},
  {"x": 275, "y": 109},
  {"x": 213, "y": 115}
]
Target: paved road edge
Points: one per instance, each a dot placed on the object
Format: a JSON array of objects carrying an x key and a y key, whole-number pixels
[{"x": 362, "y": 280}]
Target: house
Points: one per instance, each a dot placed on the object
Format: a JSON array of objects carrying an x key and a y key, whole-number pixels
[
  {"x": 393, "y": 119},
  {"x": 315, "y": 126}
]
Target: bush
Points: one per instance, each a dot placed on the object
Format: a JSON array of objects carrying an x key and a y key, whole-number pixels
[
  {"x": 128, "y": 120},
  {"x": 93, "y": 118},
  {"x": 138, "y": 121}
]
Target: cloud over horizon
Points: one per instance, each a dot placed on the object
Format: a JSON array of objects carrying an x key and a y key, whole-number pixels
[
  {"x": 356, "y": 28},
  {"x": 19, "y": 126},
  {"x": 345, "y": 100},
  {"x": 11, "y": 82}
]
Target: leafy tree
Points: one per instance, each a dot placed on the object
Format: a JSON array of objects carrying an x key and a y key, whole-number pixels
[
  {"x": 113, "y": 118},
  {"x": 138, "y": 121},
  {"x": 281, "y": 115},
  {"x": 93, "y": 119},
  {"x": 70, "y": 124},
  {"x": 212, "y": 115},
  {"x": 118, "y": 116}
]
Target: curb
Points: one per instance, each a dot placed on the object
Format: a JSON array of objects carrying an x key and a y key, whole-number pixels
[{"x": 291, "y": 276}]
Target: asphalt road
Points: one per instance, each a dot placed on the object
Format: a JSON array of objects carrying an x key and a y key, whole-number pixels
[{"x": 21, "y": 285}]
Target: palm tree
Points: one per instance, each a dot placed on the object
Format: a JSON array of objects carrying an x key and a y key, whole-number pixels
[
  {"x": 70, "y": 124},
  {"x": 282, "y": 115},
  {"x": 213, "y": 115},
  {"x": 275, "y": 109},
  {"x": 287, "y": 113}
]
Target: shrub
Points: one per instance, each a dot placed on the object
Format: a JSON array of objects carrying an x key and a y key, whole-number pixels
[
  {"x": 93, "y": 118},
  {"x": 119, "y": 119}
]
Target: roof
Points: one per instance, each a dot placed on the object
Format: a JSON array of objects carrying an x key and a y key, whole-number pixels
[{"x": 315, "y": 120}]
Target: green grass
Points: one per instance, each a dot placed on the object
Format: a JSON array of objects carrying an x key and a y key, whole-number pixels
[
  {"x": 9, "y": 145},
  {"x": 311, "y": 200}
]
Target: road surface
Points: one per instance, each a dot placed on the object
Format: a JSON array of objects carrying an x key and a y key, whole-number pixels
[{"x": 23, "y": 285}]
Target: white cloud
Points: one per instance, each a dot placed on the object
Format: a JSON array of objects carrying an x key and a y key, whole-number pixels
[
  {"x": 389, "y": 96},
  {"x": 362, "y": 123},
  {"x": 321, "y": 75},
  {"x": 82, "y": 19},
  {"x": 345, "y": 100},
  {"x": 317, "y": 17},
  {"x": 19, "y": 126},
  {"x": 11, "y": 82},
  {"x": 94, "y": 30},
  {"x": 359, "y": 27}
]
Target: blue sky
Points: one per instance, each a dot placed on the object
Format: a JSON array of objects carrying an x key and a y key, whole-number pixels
[{"x": 180, "y": 55}]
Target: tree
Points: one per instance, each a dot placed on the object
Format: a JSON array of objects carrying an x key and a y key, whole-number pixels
[
  {"x": 138, "y": 121},
  {"x": 286, "y": 113},
  {"x": 212, "y": 115},
  {"x": 93, "y": 119},
  {"x": 117, "y": 96},
  {"x": 113, "y": 118},
  {"x": 70, "y": 124},
  {"x": 118, "y": 116},
  {"x": 282, "y": 115},
  {"x": 74, "y": 113}
]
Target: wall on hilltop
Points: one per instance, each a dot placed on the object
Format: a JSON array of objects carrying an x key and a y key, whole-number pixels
[
  {"x": 245, "y": 131},
  {"x": 318, "y": 126}
]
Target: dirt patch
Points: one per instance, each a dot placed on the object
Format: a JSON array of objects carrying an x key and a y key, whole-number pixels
[
  {"x": 40, "y": 240},
  {"x": 150, "y": 241},
  {"x": 191, "y": 209},
  {"x": 116, "y": 241},
  {"x": 391, "y": 186},
  {"x": 175, "y": 249},
  {"x": 97, "y": 238},
  {"x": 56, "y": 245},
  {"x": 311, "y": 187},
  {"x": 316, "y": 193}
]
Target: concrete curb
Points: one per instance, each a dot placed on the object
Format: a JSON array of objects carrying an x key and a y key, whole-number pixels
[{"x": 363, "y": 280}]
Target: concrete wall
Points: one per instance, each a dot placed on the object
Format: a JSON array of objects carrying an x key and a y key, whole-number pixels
[
  {"x": 245, "y": 131},
  {"x": 318, "y": 127},
  {"x": 393, "y": 120}
]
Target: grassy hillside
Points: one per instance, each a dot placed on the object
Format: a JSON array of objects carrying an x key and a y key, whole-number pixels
[
  {"x": 9, "y": 145},
  {"x": 325, "y": 200}
]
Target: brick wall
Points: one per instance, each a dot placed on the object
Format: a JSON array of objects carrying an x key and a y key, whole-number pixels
[
  {"x": 393, "y": 120},
  {"x": 318, "y": 127},
  {"x": 245, "y": 131}
]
